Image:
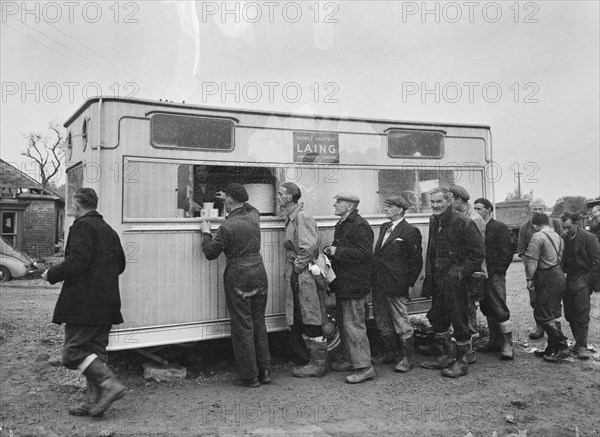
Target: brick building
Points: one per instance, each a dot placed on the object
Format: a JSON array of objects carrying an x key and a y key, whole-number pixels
[{"x": 32, "y": 216}]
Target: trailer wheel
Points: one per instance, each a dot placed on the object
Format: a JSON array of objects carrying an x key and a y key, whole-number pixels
[
  {"x": 334, "y": 342},
  {"x": 5, "y": 275}
]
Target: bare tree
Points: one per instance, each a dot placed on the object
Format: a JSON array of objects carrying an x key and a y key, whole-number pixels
[{"x": 47, "y": 151}]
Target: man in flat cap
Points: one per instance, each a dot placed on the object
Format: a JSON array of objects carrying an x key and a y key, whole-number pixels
[
  {"x": 351, "y": 255},
  {"x": 581, "y": 264},
  {"x": 454, "y": 252},
  {"x": 245, "y": 281},
  {"x": 397, "y": 263},
  {"x": 498, "y": 256},
  {"x": 460, "y": 202},
  {"x": 526, "y": 231}
]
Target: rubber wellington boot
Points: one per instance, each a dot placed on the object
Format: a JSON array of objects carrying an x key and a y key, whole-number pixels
[
  {"x": 559, "y": 341},
  {"x": 461, "y": 366},
  {"x": 507, "y": 351},
  {"x": 407, "y": 347},
  {"x": 390, "y": 343},
  {"x": 109, "y": 389},
  {"x": 317, "y": 366},
  {"x": 83, "y": 408},
  {"x": 581, "y": 349},
  {"x": 445, "y": 360},
  {"x": 493, "y": 343},
  {"x": 538, "y": 333}
]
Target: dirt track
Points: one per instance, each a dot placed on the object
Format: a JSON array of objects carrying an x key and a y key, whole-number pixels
[{"x": 525, "y": 397}]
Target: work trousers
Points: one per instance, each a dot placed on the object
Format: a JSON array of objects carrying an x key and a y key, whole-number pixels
[
  {"x": 308, "y": 330},
  {"x": 577, "y": 306},
  {"x": 249, "y": 332},
  {"x": 449, "y": 306},
  {"x": 549, "y": 289},
  {"x": 83, "y": 340},
  {"x": 493, "y": 305},
  {"x": 355, "y": 343},
  {"x": 391, "y": 315}
]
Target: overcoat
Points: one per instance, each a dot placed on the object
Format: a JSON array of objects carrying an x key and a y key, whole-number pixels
[
  {"x": 94, "y": 259},
  {"x": 353, "y": 239},
  {"x": 397, "y": 261}
]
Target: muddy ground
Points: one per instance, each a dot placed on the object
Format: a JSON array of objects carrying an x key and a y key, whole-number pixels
[{"x": 525, "y": 397}]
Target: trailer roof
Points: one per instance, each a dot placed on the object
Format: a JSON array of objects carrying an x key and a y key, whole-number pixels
[{"x": 247, "y": 111}]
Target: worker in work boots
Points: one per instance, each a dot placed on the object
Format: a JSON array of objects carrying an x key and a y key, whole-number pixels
[
  {"x": 397, "y": 263},
  {"x": 546, "y": 284},
  {"x": 89, "y": 302},
  {"x": 351, "y": 254},
  {"x": 455, "y": 251},
  {"x": 526, "y": 231},
  {"x": 581, "y": 264},
  {"x": 305, "y": 307},
  {"x": 498, "y": 256}
]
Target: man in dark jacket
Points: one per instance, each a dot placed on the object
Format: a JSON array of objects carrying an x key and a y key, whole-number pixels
[
  {"x": 498, "y": 256},
  {"x": 397, "y": 263},
  {"x": 351, "y": 254},
  {"x": 89, "y": 302},
  {"x": 454, "y": 252},
  {"x": 581, "y": 264},
  {"x": 245, "y": 282},
  {"x": 526, "y": 231}
]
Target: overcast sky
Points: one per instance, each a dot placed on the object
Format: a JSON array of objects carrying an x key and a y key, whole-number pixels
[{"x": 530, "y": 70}]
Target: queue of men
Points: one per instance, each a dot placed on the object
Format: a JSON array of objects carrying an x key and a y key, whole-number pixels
[{"x": 468, "y": 253}]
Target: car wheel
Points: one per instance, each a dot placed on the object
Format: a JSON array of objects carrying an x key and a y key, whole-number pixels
[{"x": 5, "y": 274}]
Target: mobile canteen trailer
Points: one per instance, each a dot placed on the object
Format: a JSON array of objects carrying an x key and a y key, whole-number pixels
[{"x": 153, "y": 163}]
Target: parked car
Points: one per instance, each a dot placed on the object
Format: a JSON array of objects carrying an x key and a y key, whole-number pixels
[{"x": 14, "y": 264}]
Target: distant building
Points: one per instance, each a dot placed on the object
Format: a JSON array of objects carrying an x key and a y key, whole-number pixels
[{"x": 32, "y": 215}]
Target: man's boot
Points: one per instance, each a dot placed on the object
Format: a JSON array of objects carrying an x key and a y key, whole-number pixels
[
  {"x": 317, "y": 366},
  {"x": 461, "y": 366},
  {"x": 559, "y": 341},
  {"x": 433, "y": 350},
  {"x": 390, "y": 343},
  {"x": 109, "y": 389},
  {"x": 83, "y": 408},
  {"x": 493, "y": 343},
  {"x": 407, "y": 347},
  {"x": 538, "y": 333},
  {"x": 445, "y": 345},
  {"x": 507, "y": 351},
  {"x": 581, "y": 341}
]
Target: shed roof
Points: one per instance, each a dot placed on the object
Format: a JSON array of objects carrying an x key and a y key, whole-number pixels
[{"x": 15, "y": 182}]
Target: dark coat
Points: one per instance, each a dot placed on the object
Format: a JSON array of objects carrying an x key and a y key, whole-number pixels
[
  {"x": 498, "y": 248},
  {"x": 397, "y": 262},
  {"x": 353, "y": 239},
  {"x": 239, "y": 238},
  {"x": 587, "y": 255},
  {"x": 455, "y": 250},
  {"x": 526, "y": 231},
  {"x": 94, "y": 259}
]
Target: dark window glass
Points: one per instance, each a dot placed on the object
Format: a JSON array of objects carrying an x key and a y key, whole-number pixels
[
  {"x": 411, "y": 143},
  {"x": 191, "y": 132}
]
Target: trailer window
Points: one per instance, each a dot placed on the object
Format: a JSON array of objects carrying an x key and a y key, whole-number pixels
[
  {"x": 74, "y": 181},
  {"x": 413, "y": 143},
  {"x": 178, "y": 131},
  {"x": 414, "y": 184}
]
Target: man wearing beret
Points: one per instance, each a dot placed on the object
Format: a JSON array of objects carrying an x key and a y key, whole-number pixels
[
  {"x": 245, "y": 281},
  {"x": 581, "y": 264},
  {"x": 526, "y": 231},
  {"x": 498, "y": 256},
  {"x": 351, "y": 255},
  {"x": 460, "y": 202},
  {"x": 454, "y": 252},
  {"x": 397, "y": 263}
]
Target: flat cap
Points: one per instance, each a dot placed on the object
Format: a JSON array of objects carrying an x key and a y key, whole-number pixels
[
  {"x": 459, "y": 191},
  {"x": 398, "y": 201},
  {"x": 237, "y": 191},
  {"x": 347, "y": 197},
  {"x": 485, "y": 203}
]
